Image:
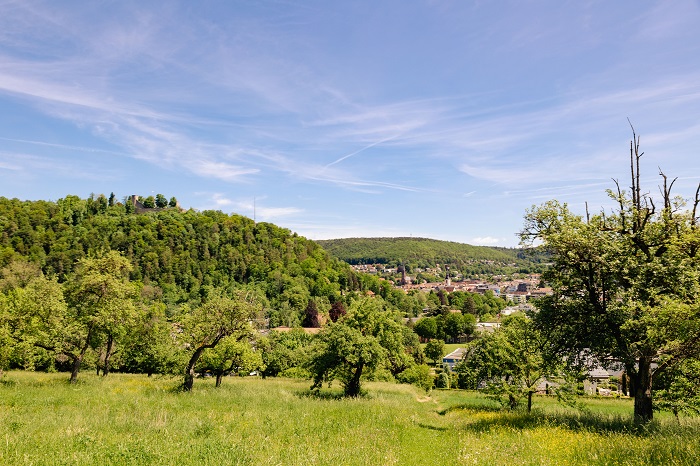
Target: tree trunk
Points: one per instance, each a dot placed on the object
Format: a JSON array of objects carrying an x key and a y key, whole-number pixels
[
  {"x": 219, "y": 376},
  {"x": 189, "y": 370},
  {"x": 108, "y": 354},
  {"x": 78, "y": 360},
  {"x": 643, "y": 412},
  {"x": 529, "y": 401},
  {"x": 512, "y": 402},
  {"x": 353, "y": 386}
]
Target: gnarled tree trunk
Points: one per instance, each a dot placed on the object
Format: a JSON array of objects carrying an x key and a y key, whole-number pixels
[
  {"x": 108, "y": 354},
  {"x": 352, "y": 388}
]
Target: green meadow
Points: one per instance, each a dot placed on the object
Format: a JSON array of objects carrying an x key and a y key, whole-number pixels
[{"x": 133, "y": 419}]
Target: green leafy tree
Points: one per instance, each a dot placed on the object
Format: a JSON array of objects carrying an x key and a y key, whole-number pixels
[
  {"x": 149, "y": 202},
  {"x": 220, "y": 317},
  {"x": 346, "y": 353},
  {"x": 426, "y": 328},
  {"x": 102, "y": 300},
  {"x": 365, "y": 340},
  {"x": 626, "y": 282},
  {"x": 678, "y": 389},
  {"x": 13, "y": 278},
  {"x": 230, "y": 356},
  {"x": 435, "y": 350},
  {"x": 161, "y": 201},
  {"x": 284, "y": 353},
  {"x": 150, "y": 346},
  {"x": 508, "y": 362},
  {"x": 172, "y": 202}
]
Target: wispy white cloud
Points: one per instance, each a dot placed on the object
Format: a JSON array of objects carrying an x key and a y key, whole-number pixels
[
  {"x": 486, "y": 241},
  {"x": 253, "y": 208}
]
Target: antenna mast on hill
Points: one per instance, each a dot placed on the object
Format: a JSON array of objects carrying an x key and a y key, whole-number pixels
[{"x": 254, "y": 210}]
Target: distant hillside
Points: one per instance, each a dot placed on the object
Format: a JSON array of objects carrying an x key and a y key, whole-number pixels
[{"x": 424, "y": 252}]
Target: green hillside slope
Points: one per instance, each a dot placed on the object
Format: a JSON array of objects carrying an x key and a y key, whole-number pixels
[
  {"x": 423, "y": 252},
  {"x": 175, "y": 254}
]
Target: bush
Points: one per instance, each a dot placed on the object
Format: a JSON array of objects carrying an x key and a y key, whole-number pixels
[
  {"x": 442, "y": 380},
  {"x": 418, "y": 375}
]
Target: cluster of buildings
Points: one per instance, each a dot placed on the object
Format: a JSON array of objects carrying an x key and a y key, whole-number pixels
[{"x": 518, "y": 291}]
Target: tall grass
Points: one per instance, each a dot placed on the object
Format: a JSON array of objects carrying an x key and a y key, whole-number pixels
[{"x": 132, "y": 419}]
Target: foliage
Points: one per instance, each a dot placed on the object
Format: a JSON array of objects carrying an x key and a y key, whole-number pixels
[
  {"x": 427, "y": 253},
  {"x": 283, "y": 351},
  {"x": 447, "y": 327},
  {"x": 219, "y": 318},
  {"x": 96, "y": 305},
  {"x": 435, "y": 350},
  {"x": 231, "y": 355},
  {"x": 508, "y": 363},
  {"x": 178, "y": 253},
  {"x": 151, "y": 346},
  {"x": 365, "y": 340},
  {"x": 626, "y": 283},
  {"x": 337, "y": 311},
  {"x": 426, "y": 328},
  {"x": 678, "y": 389},
  {"x": 419, "y": 375}
]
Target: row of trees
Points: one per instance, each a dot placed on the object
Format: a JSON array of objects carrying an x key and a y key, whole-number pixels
[{"x": 99, "y": 312}]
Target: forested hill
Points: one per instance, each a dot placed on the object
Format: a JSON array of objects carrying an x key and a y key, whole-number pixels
[
  {"x": 423, "y": 252},
  {"x": 175, "y": 254}
]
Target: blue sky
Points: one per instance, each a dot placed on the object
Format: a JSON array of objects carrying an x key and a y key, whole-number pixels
[{"x": 439, "y": 119}]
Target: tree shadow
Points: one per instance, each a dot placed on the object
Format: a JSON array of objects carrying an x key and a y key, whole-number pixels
[
  {"x": 577, "y": 422},
  {"x": 324, "y": 395}
]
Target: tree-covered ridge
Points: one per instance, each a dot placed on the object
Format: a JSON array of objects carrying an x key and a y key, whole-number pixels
[
  {"x": 177, "y": 254},
  {"x": 424, "y": 252}
]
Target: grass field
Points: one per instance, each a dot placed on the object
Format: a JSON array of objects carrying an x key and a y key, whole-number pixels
[{"x": 132, "y": 419}]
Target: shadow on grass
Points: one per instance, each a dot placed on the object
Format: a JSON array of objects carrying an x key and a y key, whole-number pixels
[
  {"x": 429, "y": 427},
  {"x": 582, "y": 421},
  {"x": 8, "y": 382},
  {"x": 324, "y": 395}
]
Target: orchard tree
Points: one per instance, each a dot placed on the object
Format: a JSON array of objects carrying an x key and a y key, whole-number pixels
[
  {"x": 210, "y": 323},
  {"x": 626, "y": 283},
  {"x": 102, "y": 299},
  {"x": 508, "y": 362},
  {"x": 284, "y": 351},
  {"x": 150, "y": 346},
  {"x": 365, "y": 340},
  {"x": 13, "y": 278},
  {"x": 96, "y": 302},
  {"x": 229, "y": 356}
]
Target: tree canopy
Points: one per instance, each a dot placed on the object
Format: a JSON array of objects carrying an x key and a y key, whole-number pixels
[
  {"x": 365, "y": 340},
  {"x": 626, "y": 283}
]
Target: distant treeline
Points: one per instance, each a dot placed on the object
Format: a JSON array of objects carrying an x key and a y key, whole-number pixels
[{"x": 427, "y": 253}]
